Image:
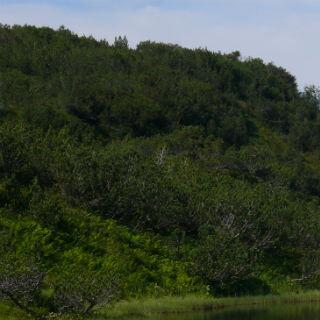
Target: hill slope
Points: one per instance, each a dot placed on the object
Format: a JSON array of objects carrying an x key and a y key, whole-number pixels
[{"x": 151, "y": 171}]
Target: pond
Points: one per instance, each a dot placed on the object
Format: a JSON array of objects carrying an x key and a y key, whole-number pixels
[{"x": 277, "y": 312}]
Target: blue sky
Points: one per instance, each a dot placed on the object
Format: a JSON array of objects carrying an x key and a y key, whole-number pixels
[{"x": 285, "y": 32}]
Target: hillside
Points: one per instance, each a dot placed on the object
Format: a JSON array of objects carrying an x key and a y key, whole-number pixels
[{"x": 151, "y": 171}]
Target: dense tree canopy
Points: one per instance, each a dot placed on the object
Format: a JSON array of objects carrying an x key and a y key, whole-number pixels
[{"x": 151, "y": 171}]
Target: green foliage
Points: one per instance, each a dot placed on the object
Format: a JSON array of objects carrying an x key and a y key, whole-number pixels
[
  {"x": 81, "y": 282},
  {"x": 152, "y": 171}
]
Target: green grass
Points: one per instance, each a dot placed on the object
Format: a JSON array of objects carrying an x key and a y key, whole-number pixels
[
  {"x": 173, "y": 305},
  {"x": 8, "y": 312}
]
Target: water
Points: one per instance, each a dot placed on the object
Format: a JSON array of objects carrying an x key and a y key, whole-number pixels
[{"x": 279, "y": 312}]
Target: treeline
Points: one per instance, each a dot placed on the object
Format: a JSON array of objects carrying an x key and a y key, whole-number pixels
[{"x": 151, "y": 171}]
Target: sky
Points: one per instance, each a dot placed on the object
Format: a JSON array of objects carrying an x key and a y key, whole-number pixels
[{"x": 285, "y": 32}]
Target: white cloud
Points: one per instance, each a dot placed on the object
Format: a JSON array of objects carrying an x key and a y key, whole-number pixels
[{"x": 288, "y": 37}]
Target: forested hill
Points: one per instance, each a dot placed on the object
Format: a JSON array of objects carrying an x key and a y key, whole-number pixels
[{"x": 152, "y": 171}]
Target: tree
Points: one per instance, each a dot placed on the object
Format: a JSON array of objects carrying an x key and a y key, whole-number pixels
[
  {"x": 21, "y": 282},
  {"x": 121, "y": 42},
  {"x": 83, "y": 283}
]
